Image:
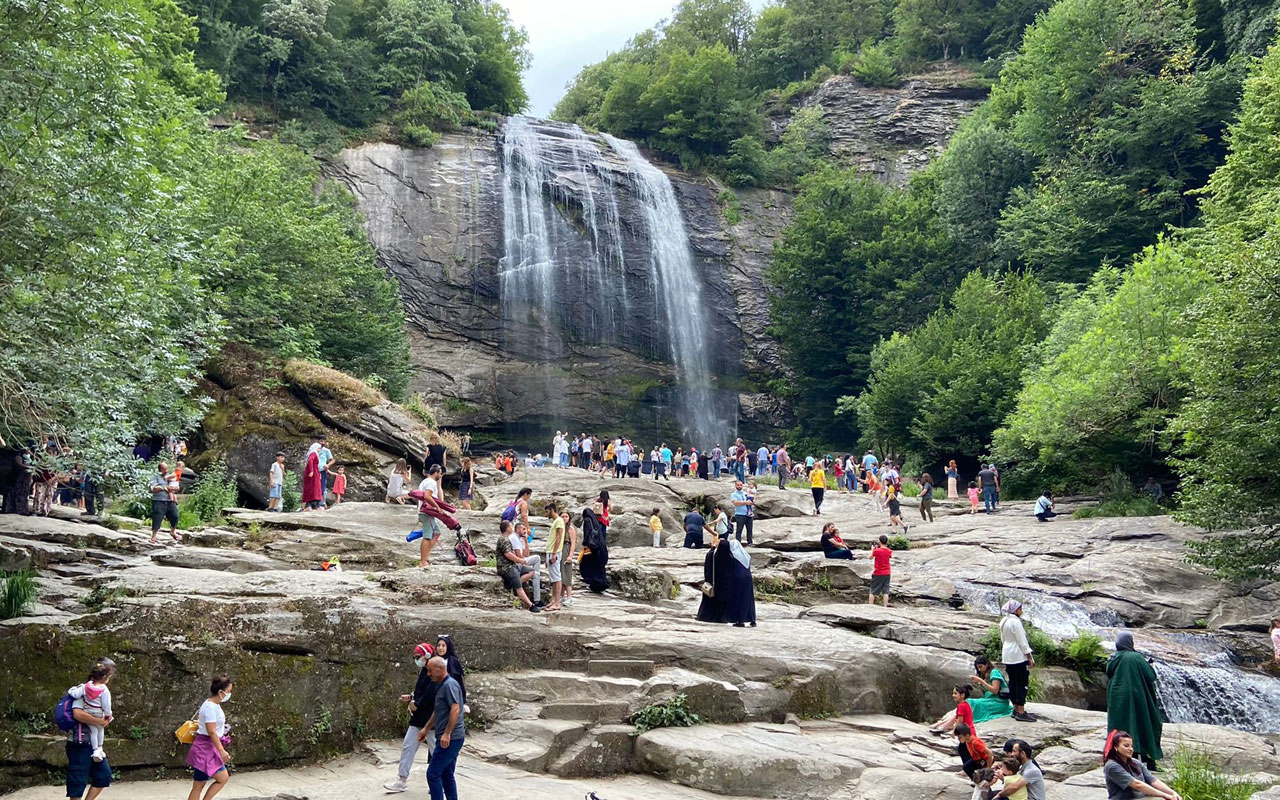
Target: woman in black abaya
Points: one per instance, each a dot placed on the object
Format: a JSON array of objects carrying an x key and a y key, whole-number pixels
[
  {"x": 595, "y": 553},
  {"x": 728, "y": 569}
]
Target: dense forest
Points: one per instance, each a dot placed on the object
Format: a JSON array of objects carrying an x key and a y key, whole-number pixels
[
  {"x": 1079, "y": 286},
  {"x": 135, "y": 240}
]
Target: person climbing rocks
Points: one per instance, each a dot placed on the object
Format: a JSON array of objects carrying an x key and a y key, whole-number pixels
[
  {"x": 1132, "y": 700},
  {"x": 1017, "y": 657}
]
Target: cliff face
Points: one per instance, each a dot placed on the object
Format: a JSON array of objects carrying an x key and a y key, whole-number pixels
[
  {"x": 504, "y": 343},
  {"x": 890, "y": 133}
]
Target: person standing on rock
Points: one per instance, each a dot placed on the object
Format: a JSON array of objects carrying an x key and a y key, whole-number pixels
[
  {"x": 1017, "y": 657},
  {"x": 586, "y": 450},
  {"x": 312, "y": 485},
  {"x": 432, "y": 501},
  {"x": 926, "y": 498},
  {"x": 570, "y": 557},
  {"x": 742, "y": 518},
  {"x": 784, "y": 466},
  {"x": 664, "y": 453},
  {"x": 694, "y": 526},
  {"x": 421, "y": 703},
  {"x": 324, "y": 457},
  {"x": 1275, "y": 637},
  {"x": 987, "y": 483},
  {"x": 1132, "y": 699},
  {"x": 436, "y": 455},
  {"x": 817, "y": 485},
  {"x": 450, "y": 730},
  {"x": 622, "y": 459},
  {"x": 880, "y": 571},
  {"x": 555, "y": 555},
  {"x": 208, "y": 756},
  {"x": 953, "y": 478},
  {"x": 727, "y": 568},
  {"x": 717, "y": 458},
  {"x": 466, "y": 483},
  {"x": 275, "y": 483},
  {"x": 163, "y": 506}
]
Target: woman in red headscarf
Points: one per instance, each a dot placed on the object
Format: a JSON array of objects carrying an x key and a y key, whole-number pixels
[{"x": 312, "y": 489}]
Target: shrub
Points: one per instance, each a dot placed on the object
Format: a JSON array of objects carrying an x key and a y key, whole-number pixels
[
  {"x": 417, "y": 406},
  {"x": 290, "y": 494},
  {"x": 899, "y": 543},
  {"x": 673, "y": 713},
  {"x": 420, "y": 136},
  {"x": 1084, "y": 651},
  {"x": 1120, "y": 500},
  {"x": 17, "y": 594},
  {"x": 732, "y": 208},
  {"x": 215, "y": 490},
  {"x": 874, "y": 67},
  {"x": 1196, "y": 777},
  {"x": 1046, "y": 650}
]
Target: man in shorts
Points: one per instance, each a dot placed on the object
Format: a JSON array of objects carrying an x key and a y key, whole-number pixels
[
  {"x": 82, "y": 771},
  {"x": 880, "y": 555},
  {"x": 432, "y": 528}
]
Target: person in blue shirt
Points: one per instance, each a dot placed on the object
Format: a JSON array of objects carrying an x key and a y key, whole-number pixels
[
  {"x": 742, "y": 518},
  {"x": 869, "y": 461},
  {"x": 325, "y": 455},
  {"x": 665, "y": 455},
  {"x": 450, "y": 730}
]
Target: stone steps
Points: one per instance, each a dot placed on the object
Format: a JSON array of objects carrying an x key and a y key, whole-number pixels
[
  {"x": 600, "y": 711},
  {"x": 604, "y": 750}
]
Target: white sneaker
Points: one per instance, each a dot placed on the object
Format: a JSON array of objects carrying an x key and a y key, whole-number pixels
[
  {"x": 397, "y": 785},
  {"x": 566, "y": 601},
  {"x": 99, "y": 755}
]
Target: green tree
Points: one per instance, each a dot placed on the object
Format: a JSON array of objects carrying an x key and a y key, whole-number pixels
[
  {"x": 1227, "y": 431},
  {"x": 941, "y": 390},
  {"x": 858, "y": 261},
  {"x": 937, "y": 28},
  {"x": 1107, "y": 379},
  {"x": 699, "y": 103}
]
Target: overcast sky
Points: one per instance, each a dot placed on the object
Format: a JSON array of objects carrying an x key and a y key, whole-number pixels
[{"x": 566, "y": 35}]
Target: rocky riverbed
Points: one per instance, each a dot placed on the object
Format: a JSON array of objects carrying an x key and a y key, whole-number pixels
[{"x": 828, "y": 697}]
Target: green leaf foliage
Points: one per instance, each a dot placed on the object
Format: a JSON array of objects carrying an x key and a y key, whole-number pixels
[
  {"x": 858, "y": 261},
  {"x": 940, "y": 390}
]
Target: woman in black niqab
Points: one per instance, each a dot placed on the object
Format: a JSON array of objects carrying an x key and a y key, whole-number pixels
[
  {"x": 592, "y": 565},
  {"x": 734, "y": 600}
]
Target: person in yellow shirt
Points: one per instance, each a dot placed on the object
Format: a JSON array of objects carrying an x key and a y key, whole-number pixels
[
  {"x": 818, "y": 485},
  {"x": 555, "y": 555},
  {"x": 655, "y": 525}
]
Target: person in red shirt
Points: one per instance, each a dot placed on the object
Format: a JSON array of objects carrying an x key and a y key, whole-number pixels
[
  {"x": 974, "y": 755},
  {"x": 963, "y": 715},
  {"x": 880, "y": 555}
]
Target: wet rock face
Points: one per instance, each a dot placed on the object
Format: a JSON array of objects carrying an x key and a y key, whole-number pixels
[{"x": 590, "y": 342}]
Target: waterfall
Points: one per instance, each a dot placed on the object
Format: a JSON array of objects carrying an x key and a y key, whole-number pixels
[
  {"x": 1217, "y": 693},
  {"x": 679, "y": 293},
  {"x": 596, "y": 253},
  {"x": 1055, "y": 616}
]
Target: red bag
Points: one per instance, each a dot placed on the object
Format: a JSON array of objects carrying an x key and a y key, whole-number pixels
[{"x": 465, "y": 553}]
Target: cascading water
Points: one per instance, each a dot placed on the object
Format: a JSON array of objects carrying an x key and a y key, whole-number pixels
[
  {"x": 679, "y": 292},
  {"x": 1198, "y": 681},
  {"x": 595, "y": 252}
]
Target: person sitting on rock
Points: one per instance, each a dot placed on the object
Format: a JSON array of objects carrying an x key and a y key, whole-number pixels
[
  {"x": 1126, "y": 776},
  {"x": 963, "y": 715},
  {"x": 515, "y": 570},
  {"x": 832, "y": 545},
  {"x": 974, "y": 755}
]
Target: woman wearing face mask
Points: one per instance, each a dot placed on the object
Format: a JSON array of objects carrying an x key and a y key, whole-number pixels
[
  {"x": 421, "y": 702},
  {"x": 208, "y": 754}
]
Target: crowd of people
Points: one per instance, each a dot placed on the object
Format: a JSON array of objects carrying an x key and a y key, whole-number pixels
[{"x": 39, "y": 477}]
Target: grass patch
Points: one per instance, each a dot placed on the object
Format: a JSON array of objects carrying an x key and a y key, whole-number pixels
[
  {"x": 417, "y": 406},
  {"x": 352, "y": 392},
  {"x": 1196, "y": 777},
  {"x": 102, "y": 596},
  {"x": 459, "y": 406},
  {"x": 912, "y": 489},
  {"x": 899, "y": 542},
  {"x": 215, "y": 491},
  {"x": 673, "y": 713},
  {"x": 18, "y": 593},
  {"x": 729, "y": 204}
]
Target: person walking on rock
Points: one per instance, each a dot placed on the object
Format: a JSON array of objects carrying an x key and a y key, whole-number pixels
[
  {"x": 987, "y": 482},
  {"x": 421, "y": 703},
  {"x": 1017, "y": 657},
  {"x": 818, "y": 486},
  {"x": 208, "y": 756},
  {"x": 87, "y": 764},
  {"x": 450, "y": 730},
  {"x": 926, "y": 498},
  {"x": 1132, "y": 700},
  {"x": 727, "y": 570},
  {"x": 275, "y": 483},
  {"x": 163, "y": 505}
]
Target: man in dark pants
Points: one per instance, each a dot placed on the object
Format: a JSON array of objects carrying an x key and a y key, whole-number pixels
[{"x": 446, "y": 720}]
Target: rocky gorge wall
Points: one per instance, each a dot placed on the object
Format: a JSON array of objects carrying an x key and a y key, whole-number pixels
[{"x": 598, "y": 350}]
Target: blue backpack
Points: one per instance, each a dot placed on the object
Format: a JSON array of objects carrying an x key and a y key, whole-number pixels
[
  {"x": 62, "y": 713},
  {"x": 509, "y": 513}
]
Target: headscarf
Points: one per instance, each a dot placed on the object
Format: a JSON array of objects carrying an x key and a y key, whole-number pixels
[
  {"x": 738, "y": 552},
  {"x": 1124, "y": 641},
  {"x": 1011, "y": 607},
  {"x": 314, "y": 448}
]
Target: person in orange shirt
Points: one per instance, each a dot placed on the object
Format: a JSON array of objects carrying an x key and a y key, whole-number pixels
[{"x": 974, "y": 755}]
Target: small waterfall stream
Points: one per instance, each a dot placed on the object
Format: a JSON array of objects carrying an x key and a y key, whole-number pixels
[
  {"x": 596, "y": 252},
  {"x": 1198, "y": 679}
]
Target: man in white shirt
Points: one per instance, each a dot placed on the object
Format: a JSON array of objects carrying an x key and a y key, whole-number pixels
[
  {"x": 432, "y": 528},
  {"x": 762, "y": 461},
  {"x": 622, "y": 458},
  {"x": 585, "y": 454}
]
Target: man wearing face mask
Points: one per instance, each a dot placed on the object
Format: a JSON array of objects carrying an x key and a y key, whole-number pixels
[{"x": 420, "y": 703}]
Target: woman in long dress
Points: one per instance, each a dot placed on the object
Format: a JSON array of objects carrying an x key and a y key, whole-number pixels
[
  {"x": 733, "y": 599},
  {"x": 312, "y": 489},
  {"x": 595, "y": 553},
  {"x": 1131, "y": 699}
]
